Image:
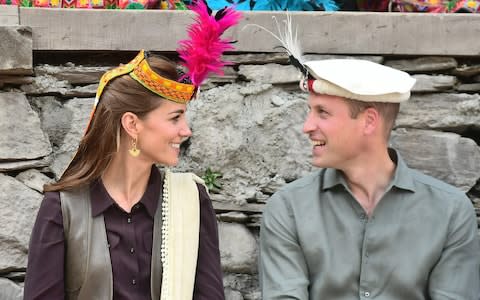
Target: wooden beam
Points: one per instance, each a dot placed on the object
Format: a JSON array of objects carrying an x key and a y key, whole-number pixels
[
  {"x": 320, "y": 32},
  {"x": 9, "y": 15}
]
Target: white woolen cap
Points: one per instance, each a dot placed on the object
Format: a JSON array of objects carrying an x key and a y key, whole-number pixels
[{"x": 357, "y": 79}]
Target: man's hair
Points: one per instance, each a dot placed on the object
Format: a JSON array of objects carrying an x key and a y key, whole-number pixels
[{"x": 388, "y": 111}]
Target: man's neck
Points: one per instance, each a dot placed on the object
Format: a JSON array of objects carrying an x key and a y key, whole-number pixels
[{"x": 369, "y": 179}]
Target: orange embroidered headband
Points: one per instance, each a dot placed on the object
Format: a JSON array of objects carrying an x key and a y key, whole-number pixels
[{"x": 140, "y": 71}]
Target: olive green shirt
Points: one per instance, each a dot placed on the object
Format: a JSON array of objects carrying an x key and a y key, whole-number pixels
[{"x": 421, "y": 242}]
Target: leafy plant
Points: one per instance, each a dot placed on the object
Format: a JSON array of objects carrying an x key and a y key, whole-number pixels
[{"x": 211, "y": 180}]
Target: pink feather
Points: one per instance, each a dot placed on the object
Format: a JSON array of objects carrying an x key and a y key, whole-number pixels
[{"x": 201, "y": 54}]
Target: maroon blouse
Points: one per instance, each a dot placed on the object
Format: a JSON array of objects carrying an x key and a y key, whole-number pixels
[{"x": 130, "y": 238}]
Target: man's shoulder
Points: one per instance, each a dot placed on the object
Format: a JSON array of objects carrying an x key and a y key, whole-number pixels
[
  {"x": 311, "y": 180},
  {"x": 298, "y": 189},
  {"x": 425, "y": 181}
]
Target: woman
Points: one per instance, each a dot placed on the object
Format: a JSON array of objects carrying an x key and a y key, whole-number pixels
[
  {"x": 114, "y": 227},
  {"x": 131, "y": 130}
]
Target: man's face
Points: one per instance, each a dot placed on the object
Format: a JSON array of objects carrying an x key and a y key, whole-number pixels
[{"x": 336, "y": 138}]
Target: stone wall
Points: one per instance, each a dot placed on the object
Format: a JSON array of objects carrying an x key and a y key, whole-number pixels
[{"x": 246, "y": 126}]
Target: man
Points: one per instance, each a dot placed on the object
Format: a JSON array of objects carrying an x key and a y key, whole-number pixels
[{"x": 365, "y": 226}]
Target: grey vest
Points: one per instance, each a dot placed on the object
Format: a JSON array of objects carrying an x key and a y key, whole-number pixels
[{"x": 88, "y": 269}]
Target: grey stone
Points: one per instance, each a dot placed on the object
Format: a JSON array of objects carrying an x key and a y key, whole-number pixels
[
  {"x": 233, "y": 217},
  {"x": 46, "y": 84},
  {"x": 255, "y": 220},
  {"x": 254, "y": 88},
  {"x": 257, "y": 59},
  {"x": 270, "y": 185},
  {"x": 238, "y": 248},
  {"x": 270, "y": 73},
  {"x": 229, "y": 75},
  {"x": 476, "y": 78},
  {"x": 467, "y": 71},
  {"x": 17, "y": 276},
  {"x": 446, "y": 156},
  {"x": 22, "y": 136},
  {"x": 256, "y": 295},
  {"x": 81, "y": 91},
  {"x": 24, "y": 164},
  {"x": 232, "y": 294},
  {"x": 9, "y": 290},
  {"x": 468, "y": 87},
  {"x": 33, "y": 179},
  {"x": 257, "y": 139},
  {"x": 433, "y": 83},
  {"x": 221, "y": 204},
  {"x": 454, "y": 112},
  {"x": 423, "y": 64},
  {"x": 80, "y": 109},
  {"x": 75, "y": 75},
  {"x": 18, "y": 210},
  {"x": 55, "y": 118},
  {"x": 277, "y": 100},
  {"x": 246, "y": 283},
  {"x": 16, "y": 50}
]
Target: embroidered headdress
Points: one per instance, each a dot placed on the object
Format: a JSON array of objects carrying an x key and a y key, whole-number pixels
[{"x": 201, "y": 55}]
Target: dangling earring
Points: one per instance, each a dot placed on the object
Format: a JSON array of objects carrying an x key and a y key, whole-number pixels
[{"x": 134, "y": 151}]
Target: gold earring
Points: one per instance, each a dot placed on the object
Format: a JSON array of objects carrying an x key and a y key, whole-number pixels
[{"x": 134, "y": 151}]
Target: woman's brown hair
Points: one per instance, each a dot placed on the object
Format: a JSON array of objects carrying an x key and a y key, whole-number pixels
[{"x": 122, "y": 94}]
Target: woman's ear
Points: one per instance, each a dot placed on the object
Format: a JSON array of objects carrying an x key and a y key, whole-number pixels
[{"x": 130, "y": 123}]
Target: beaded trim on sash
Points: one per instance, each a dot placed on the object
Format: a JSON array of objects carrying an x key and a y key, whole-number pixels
[
  {"x": 163, "y": 248},
  {"x": 180, "y": 235}
]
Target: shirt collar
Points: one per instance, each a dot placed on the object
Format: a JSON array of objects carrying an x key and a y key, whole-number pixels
[
  {"x": 402, "y": 178},
  {"x": 101, "y": 200}
]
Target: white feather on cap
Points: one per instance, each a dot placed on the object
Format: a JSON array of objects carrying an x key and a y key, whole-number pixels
[{"x": 359, "y": 80}]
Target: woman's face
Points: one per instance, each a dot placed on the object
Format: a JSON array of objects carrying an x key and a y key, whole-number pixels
[{"x": 161, "y": 133}]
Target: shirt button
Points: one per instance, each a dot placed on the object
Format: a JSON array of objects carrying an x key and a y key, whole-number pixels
[
  {"x": 363, "y": 216},
  {"x": 129, "y": 220},
  {"x": 367, "y": 294},
  {"x": 134, "y": 282},
  {"x": 132, "y": 250}
]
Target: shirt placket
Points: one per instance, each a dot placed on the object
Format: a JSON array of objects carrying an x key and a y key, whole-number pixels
[
  {"x": 130, "y": 226},
  {"x": 366, "y": 286}
]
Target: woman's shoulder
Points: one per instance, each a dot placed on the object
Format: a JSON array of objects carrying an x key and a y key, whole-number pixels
[{"x": 51, "y": 198}]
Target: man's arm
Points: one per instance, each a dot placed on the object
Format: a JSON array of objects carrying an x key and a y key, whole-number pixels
[
  {"x": 283, "y": 270},
  {"x": 456, "y": 276}
]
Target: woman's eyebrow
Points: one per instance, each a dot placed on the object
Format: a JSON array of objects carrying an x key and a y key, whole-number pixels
[{"x": 178, "y": 111}]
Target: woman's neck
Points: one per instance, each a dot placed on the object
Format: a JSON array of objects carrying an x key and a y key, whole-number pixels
[{"x": 126, "y": 179}]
